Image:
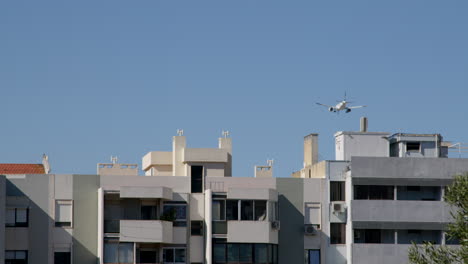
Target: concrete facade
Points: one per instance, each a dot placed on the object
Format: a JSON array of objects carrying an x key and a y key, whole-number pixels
[{"x": 364, "y": 207}]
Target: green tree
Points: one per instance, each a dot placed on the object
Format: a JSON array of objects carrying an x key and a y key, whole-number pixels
[{"x": 456, "y": 195}]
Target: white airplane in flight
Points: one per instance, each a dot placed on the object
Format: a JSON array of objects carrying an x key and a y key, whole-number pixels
[{"x": 342, "y": 105}]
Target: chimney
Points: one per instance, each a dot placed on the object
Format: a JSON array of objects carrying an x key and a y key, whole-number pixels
[
  {"x": 178, "y": 147},
  {"x": 310, "y": 150},
  {"x": 363, "y": 124},
  {"x": 225, "y": 142}
]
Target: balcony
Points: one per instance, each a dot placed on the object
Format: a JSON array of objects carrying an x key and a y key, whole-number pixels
[
  {"x": 151, "y": 231},
  {"x": 400, "y": 214},
  {"x": 251, "y": 232},
  {"x": 380, "y": 253}
]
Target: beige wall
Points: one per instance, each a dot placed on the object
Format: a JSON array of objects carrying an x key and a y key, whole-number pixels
[
  {"x": 251, "y": 232},
  {"x": 196, "y": 249},
  {"x": 197, "y": 206}
]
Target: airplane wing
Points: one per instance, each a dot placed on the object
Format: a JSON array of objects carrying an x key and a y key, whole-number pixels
[
  {"x": 358, "y": 106},
  {"x": 325, "y": 105}
]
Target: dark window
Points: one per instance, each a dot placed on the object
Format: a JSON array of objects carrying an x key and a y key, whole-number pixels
[
  {"x": 148, "y": 256},
  {"x": 337, "y": 233},
  {"x": 244, "y": 253},
  {"x": 232, "y": 210},
  {"x": 62, "y": 258},
  {"x": 176, "y": 212},
  {"x": 197, "y": 179},
  {"x": 174, "y": 255},
  {"x": 247, "y": 210},
  {"x": 413, "y": 146},
  {"x": 413, "y": 188},
  {"x": 16, "y": 257},
  {"x": 219, "y": 253},
  {"x": 149, "y": 212},
  {"x": 260, "y": 210},
  {"x": 17, "y": 217},
  {"x": 337, "y": 191},
  {"x": 373, "y": 192},
  {"x": 196, "y": 228}
]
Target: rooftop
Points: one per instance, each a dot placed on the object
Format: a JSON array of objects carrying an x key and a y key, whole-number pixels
[{"x": 15, "y": 168}]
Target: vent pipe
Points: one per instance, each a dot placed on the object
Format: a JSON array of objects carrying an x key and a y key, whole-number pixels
[{"x": 363, "y": 124}]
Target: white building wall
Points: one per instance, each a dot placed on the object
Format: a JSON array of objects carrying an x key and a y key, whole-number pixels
[{"x": 364, "y": 144}]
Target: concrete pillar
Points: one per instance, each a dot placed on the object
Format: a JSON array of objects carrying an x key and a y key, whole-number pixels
[
  {"x": 209, "y": 228},
  {"x": 310, "y": 150},
  {"x": 178, "y": 146},
  {"x": 226, "y": 143},
  {"x": 100, "y": 226}
]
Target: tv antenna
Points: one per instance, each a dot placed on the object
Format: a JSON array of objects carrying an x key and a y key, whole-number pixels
[
  {"x": 225, "y": 133},
  {"x": 180, "y": 132},
  {"x": 114, "y": 159}
]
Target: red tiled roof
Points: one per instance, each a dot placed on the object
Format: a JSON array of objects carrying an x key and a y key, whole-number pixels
[{"x": 22, "y": 169}]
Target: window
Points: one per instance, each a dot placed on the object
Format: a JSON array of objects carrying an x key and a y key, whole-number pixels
[
  {"x": 62, "y": 258},
  {"x": 17, "y": 217},
  {"x": 373, "y": 192},
  {"x": 115, "y": 252},
  {"x": 232, "y": 209},
  {"x": 196, "y": 228},
  {"x": 219, "y": 253},
  {"x": 245, "y": 253},
  {"x": 374, "y": 236},
  {"x": 312, "y": 214},
  {"x": 173, "y": 255},
  {"x": 197, "y": 179},
  {"x": 337, "y": 233},
  {"x": 148, "y": 255},
  {"x": 63, "y": 213},
  {"x": 413, "y": 146},
  {"x": 16, "y": 257},
  {"x": 218, "y": 209},
  {"x": 260, "y": 211},
  {"x": 313, "y": 256},
  {"x": 176, "y": 210},
  {"x": 149, "y": 212},
  {"x": 247, "y": 210},
  {"x": 337, "y": 191}
]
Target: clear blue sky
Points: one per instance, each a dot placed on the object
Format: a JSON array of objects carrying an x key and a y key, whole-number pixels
[{"x": 84, "y": 80}]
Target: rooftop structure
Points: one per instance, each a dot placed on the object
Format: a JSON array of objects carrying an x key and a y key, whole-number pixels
[{"x": 381, "y": 193}]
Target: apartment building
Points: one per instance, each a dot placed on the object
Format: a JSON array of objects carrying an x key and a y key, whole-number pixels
[{"x": 381, "y": 192}]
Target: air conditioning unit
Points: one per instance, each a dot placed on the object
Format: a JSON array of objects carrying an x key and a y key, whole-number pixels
[
  {"x": 275, "y": 225},
  {"x": 338, "y": 207},
  {"x": 309, "y": 230}
]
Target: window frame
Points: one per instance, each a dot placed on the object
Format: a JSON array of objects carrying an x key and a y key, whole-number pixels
[
  {"x": 178, "y": 222},
  {"x": 174, "y": 254},
  {"x": 202, "y": 227},
  {"x": 342, "y": 238},
  {"x": 16, "y": 223},
  {"x": 63, "y": 224},
  {"x": 15, "y": 260}
]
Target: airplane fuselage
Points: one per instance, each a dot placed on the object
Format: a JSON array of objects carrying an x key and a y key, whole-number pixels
[{"x": 340, "y": 106}]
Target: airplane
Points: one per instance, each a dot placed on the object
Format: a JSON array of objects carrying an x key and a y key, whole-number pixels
[{"x": 342, "y": 105}]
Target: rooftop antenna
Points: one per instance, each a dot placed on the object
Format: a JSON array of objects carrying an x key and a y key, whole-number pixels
[
  {"x": 180, "y": 132},
  {"x": 270, "y": 162},
  {"x": 114, "y": 159},
  {"x": 225, "y": 133}
]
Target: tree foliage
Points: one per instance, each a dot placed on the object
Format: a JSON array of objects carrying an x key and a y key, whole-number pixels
[{"x": 456, "y": 195}]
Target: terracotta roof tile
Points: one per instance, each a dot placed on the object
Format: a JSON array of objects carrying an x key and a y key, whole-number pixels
[{"x": 21, "y": 168}]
